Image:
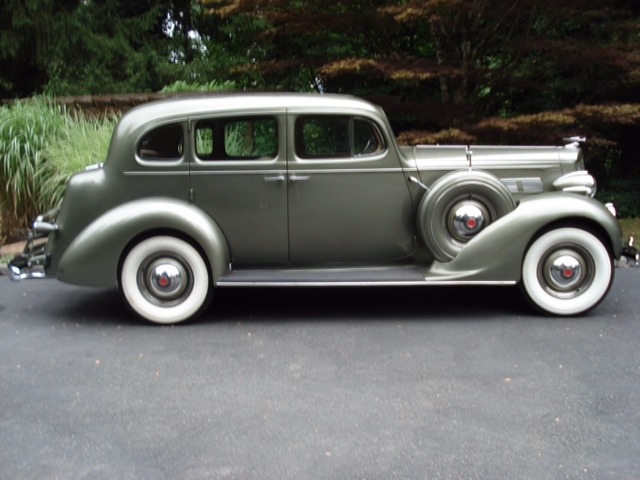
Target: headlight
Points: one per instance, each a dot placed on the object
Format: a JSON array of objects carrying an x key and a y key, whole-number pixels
[{"x": 577, "y": 182}]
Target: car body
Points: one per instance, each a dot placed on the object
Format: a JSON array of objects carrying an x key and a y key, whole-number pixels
[{"x": 306, "y": 190}]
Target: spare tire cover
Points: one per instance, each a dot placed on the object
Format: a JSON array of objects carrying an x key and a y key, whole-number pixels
[{"x": 459, "y": 206}]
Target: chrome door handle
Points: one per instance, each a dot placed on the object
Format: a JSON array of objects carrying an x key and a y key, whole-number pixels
[
  {"x": 275, "y": 178},
  {"x": 299, "y": 178}
]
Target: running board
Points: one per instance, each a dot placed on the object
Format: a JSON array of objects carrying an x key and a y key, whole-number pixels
[{"x": 337, "y": 277}]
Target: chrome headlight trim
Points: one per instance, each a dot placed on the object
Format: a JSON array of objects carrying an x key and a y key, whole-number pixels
[{"x": 577, "y": 182}]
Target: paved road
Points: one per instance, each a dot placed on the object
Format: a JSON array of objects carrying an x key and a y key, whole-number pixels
[{"x": 319, "y": 384}]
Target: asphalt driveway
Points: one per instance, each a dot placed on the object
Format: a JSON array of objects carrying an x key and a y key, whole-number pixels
[{"x": 372, "y": 383}]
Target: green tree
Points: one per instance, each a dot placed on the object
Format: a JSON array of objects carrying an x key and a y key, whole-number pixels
[
  {"x": 83, "y": 47},
  {"x": 29, "y": 30},
  {"x": 291, "y": 41},
  {"x": 113, "y": 47}
]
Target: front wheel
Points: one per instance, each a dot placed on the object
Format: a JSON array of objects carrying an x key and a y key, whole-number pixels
[
  {"x": 165, "y": 280},
  {"x": 566, "y": 271}
]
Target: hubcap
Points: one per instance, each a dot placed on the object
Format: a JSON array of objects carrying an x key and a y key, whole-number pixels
[
  {"x": 466, "y": 219},
  {"x": 165, "y": 281},
  {"x": 566, "y": 272}
]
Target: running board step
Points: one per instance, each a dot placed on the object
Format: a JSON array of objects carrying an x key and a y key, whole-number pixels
[{"x": 397, "y": 275}]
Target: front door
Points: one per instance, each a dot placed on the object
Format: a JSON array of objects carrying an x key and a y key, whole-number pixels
[{"x": 348, "y": 199}]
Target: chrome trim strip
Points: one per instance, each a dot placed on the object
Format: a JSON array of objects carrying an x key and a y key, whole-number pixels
[
  {"x": 223, "y": 283},
  {"x": 155, "y": 173},
  {"x": 261, "y": 172},
  {"x": 482, "y": 148},
  {"x": 304, "y": 171},
  {"x": 278, "y": 172},
  {"x": 524, "y": 184},
  {"x": 352, "y": 170},
  {"x": 479, "y": 164}
]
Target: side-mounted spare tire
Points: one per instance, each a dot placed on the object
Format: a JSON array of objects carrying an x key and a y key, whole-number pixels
[{"x": 458, "y": 207}]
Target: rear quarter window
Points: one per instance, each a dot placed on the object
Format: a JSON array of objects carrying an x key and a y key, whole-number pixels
[{"x": 162, "y": 143}]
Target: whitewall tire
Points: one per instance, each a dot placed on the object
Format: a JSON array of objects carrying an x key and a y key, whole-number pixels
[
  {"x": 165, "y": 280},
  {"x": 566, "y": 271}
]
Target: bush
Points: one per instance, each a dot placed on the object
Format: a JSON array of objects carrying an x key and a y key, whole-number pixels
[{"x": 214, "y": 86}]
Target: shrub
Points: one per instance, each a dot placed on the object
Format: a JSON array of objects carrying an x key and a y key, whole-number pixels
[
  {"x": 214, "y": 86},
  {"x": 451, "y": 136}
]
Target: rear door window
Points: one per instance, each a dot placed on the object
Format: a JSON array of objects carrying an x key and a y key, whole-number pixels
[
  {"x": 337, "y": 137},
  {"x": 237, "y": 139}
]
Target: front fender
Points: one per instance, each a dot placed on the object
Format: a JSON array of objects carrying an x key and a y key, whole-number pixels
[
  {"x": 496, "y": 254},
  {"x": 93, "y": 256}
]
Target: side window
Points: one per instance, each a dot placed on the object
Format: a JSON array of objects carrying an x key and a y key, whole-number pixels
[
  {"x": 367, "y": 139},
  {"x": 251, "y": 138},
  {"x": 323, "y": 137},
  {"x": 162, "y": 143},
  {"x": 204, "y": 141},
  {"x": 237, "y": 139},
  {"x": 337, "y": 137}
]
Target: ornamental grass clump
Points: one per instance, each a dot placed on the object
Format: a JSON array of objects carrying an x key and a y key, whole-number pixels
[
  {"x": 82, "y": 142},
  {"x": 25, "y": 129},
  {"x": 41, "y": 146}
]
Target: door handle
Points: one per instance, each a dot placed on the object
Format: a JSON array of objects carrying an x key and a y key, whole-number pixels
[
  {"x": 274, "y": 178},
  {"x": 299, "y": 178}
]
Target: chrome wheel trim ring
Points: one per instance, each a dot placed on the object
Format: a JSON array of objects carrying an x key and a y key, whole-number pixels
[
  {"x": 566, "y": 271},
  {"x": 165, "y": 279},
  {"x": 467, "y": 217}
]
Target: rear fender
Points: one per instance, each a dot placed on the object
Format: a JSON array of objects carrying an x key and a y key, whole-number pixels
[
  {"x": 495, "y": 255},
  {"x": 93, "y": 257}
]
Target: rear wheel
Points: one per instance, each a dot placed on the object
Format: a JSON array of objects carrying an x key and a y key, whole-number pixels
[
  {"x": 566, "y": 271},
  {"x": 165, "y": 280}
]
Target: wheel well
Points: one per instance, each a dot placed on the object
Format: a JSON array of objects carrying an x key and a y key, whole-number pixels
[
  {"x": 582, "y": 223},
  {"x": 163, "y": 232}
]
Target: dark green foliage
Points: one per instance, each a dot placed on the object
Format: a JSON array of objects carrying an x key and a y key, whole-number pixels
[{"x": 625, "y": 194}]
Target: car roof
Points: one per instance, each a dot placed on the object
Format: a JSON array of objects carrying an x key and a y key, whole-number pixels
[{"x": 193, "y": 105}]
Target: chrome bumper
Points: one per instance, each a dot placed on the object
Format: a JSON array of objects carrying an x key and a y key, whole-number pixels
[{"x": 31, "y": 263}]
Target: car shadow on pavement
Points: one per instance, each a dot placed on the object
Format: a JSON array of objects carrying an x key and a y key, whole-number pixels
[
  {"x": 365, "y": 303},
  {"x": 288, "y": 304}
]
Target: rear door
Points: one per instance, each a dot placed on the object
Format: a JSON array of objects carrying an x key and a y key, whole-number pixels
[{"x": 238, "y": 176}]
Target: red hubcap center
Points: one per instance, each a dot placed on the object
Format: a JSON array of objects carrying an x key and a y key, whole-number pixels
[
  {"x": 472, "y": 223},
  {"x": 567, "y": 273},
  {"x": 164, "y": 281}
]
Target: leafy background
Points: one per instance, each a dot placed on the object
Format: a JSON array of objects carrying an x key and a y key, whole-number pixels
[{"x": 445, "y": 71}]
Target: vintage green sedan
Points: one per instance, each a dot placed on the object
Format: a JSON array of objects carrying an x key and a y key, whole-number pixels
[{"x": 312, "y": 190}]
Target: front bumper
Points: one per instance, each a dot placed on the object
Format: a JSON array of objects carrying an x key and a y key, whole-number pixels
[{"x": 32, "y": 262}]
